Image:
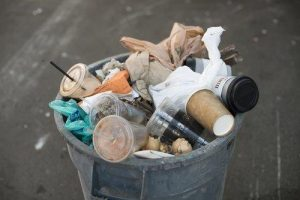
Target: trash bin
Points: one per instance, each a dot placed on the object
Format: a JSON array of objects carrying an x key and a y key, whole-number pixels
[{"x": 196, "y": 175}]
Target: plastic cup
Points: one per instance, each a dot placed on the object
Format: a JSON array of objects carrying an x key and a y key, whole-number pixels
[
  {"x": 115, "y": 139},
  {"x": 109, "y": 104},
  {"x": 169, "y": 123},
  {"x": 84, "y": 85}
]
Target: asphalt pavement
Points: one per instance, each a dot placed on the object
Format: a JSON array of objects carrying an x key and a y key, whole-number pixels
[{"x": 266, "y": 161}]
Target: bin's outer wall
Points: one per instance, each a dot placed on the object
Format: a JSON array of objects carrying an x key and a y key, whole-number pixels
[{"x": 197, "y": 175}]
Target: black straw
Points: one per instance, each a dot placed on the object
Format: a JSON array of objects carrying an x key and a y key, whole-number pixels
[
  {"x": 64, "y": 73},
  {"x": 61, "y": 70}
]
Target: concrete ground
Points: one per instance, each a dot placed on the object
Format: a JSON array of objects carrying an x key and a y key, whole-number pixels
[{"x": 266, "y": 162}]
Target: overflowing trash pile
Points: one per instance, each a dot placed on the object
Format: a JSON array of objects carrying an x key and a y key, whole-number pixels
[{"x": 160, "y": 101}]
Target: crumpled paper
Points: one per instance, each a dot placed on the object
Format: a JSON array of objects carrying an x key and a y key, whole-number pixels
[
  {"x": 141, "y": 67},
  {"x": 109, "y": 69},
  {"x": 113, "y": 64},
  {"x": 144, "y": 72},
  {"x": 142, "y": 89},
  {"x": 171, "y": 52}
]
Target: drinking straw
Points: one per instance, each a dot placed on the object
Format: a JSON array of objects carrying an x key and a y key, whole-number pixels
[{"x": 65, "y": 73}]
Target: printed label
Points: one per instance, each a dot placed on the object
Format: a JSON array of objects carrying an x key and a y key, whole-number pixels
[{"x": 218, "y": 84}]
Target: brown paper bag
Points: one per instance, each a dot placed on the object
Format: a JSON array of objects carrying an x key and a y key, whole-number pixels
[
  {"x": 140, "y": 67},
  {"x": 171, "y": 52},
  {"x": 144, "y": 72}
]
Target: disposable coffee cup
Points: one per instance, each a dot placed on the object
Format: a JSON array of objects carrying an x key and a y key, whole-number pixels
[
  {"x": 169, "y": 123},
  {"x": 83, "y": 85},
  {"x": 205, "y": 107},
  {"x": 115, "y": 138},
  {"x": 110, "y": 104},
  {"x": 239, "y": 93}
]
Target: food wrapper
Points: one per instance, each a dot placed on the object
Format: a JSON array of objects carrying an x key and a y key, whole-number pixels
[{"x": 117, "y": 84}]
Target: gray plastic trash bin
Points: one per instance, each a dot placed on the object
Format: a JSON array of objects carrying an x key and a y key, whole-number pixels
[{"x": 197, "y": 175}]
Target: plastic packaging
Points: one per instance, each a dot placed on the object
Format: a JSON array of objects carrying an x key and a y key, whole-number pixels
[
  {"x": 84, "y": 85},
  {"x": 116, "y": 84},
  {"x": 179, "y": 86},
  {"x": 115, "y": 138},
  {"x": 169, "y": 123},
  {"x": 77, "y": 120},
  {"x": 109, "y": 104},
  {"x": 216, "y": 66}
]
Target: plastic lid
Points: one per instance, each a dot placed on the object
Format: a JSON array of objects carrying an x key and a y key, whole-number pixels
[
  {"x": 67, "y": 86},
  {"x": 223, "y": 125},
  {"x": 113, "y": 139},
  {"x": 242, "y": 94}
]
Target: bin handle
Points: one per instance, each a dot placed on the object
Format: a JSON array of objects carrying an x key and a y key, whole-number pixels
[
  {"x": 99, "y": 181},
  {"x": 95, "y": 192}
]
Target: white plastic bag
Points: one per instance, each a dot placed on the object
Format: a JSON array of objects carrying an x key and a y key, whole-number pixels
[
  {"x": 202, "y": 63},
  {"x": 88, "y": 103},
  {"x": 179, "y": 86},
  {"x": 216, "y": 66}
]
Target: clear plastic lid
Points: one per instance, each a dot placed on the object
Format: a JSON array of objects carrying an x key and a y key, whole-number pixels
[
  {"x": 113, "y": 139},
  {"x": 67, "y": 86}
]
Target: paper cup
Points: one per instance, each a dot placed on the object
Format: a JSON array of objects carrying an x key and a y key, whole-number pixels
[{"x": 209, "y": 111}]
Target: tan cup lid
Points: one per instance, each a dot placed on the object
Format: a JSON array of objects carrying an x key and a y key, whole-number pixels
[
  {"x": 113, "y": 138},
  {"x": 67, "y": 86}
]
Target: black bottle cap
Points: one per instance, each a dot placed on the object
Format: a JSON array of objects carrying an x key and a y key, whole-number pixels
[
  {"x": 190, "y": 62},
  {"x": 242, "y": 94}
]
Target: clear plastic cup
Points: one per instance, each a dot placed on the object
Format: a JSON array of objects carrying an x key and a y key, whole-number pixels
[
  {"x": 169, "y": 123},
  {"x": 115, "y": 139},
  {"x": 84, "y": 85},
  {"x": 110, "y": 104}
]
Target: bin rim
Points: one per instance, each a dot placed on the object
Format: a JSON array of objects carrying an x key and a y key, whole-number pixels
[{"x": 203, "y": 152}]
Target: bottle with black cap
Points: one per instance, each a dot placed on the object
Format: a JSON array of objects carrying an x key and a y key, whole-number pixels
[
  {"x": 199, "y": 64},
  {"x": 239, "y": 93}
]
